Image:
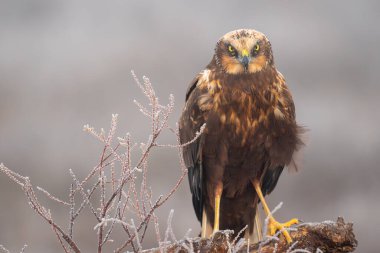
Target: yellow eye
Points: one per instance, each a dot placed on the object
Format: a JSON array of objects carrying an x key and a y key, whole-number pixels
[
  {"x": 257, "y": 47},
  {"x": 231, "y": 49}
]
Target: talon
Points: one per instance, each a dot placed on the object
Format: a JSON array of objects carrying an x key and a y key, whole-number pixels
[
  {"x": 275, "y": 226},
  {"x": 291, "y": 222}
]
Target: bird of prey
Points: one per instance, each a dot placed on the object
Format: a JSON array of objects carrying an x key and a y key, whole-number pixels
[{"x": 250, "y": 134}]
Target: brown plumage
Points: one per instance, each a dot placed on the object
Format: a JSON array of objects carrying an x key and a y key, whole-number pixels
[{"x": 251, "y": 131}]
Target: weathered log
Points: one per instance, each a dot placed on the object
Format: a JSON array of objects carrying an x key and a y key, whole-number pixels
[{"x": 328, "y": 236}]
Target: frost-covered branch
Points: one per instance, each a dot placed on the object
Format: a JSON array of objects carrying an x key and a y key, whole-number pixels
[{"x": 123, "y": 197}]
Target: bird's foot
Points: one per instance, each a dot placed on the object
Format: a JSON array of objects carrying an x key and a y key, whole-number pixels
[{"x": 274, "y": 226}]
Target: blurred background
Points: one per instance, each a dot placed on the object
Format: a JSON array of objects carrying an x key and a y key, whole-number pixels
[{"x": 64, "y": 64}]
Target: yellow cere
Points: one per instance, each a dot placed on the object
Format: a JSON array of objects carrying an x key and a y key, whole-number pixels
[{"x": 244, "y": 52}]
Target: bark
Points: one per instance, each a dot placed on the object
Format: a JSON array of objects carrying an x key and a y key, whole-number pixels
[{"x": 328, "y": 236}]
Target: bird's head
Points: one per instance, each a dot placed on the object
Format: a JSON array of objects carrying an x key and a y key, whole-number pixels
[{"x": 243, "y": 51}]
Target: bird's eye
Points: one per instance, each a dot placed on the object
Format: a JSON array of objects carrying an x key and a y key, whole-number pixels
[
  {"x": 231, "y": 49},
  {"x": 255, "y": 49}
]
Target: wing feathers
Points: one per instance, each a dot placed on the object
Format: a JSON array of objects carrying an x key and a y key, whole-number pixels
[{"x": 191, "y": 121}]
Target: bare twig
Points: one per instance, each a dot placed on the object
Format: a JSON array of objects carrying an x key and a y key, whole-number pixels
[
  {"x": 52, "y": 197},
  {"x": 72, "y": 210},
  {"x": 122, "y": 194}
]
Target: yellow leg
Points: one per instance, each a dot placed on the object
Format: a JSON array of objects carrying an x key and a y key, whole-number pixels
[
  {"x": 258, "y": 225},
  {"x": 273, "y": 225},
  {"x": 206, "y": 225},
  {"x": 218, "y": 195}
]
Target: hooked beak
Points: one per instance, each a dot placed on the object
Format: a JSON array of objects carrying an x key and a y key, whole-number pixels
[{"x": 245, "y": 61}]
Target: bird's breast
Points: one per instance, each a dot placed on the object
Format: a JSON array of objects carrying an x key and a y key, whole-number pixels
[
  {"x": 243, "y": 109},
  {"x": 241, "y": 115}
]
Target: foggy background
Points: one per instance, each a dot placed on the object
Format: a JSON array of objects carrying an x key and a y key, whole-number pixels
[{"x": 67, "y": 63}]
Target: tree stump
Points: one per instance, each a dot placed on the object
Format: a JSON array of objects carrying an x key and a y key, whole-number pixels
[{"x": 328, "y": 236}]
